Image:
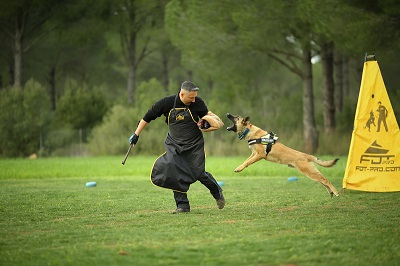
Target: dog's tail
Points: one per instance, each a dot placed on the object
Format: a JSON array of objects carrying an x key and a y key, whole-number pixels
[{"x": 329, "y": 163}]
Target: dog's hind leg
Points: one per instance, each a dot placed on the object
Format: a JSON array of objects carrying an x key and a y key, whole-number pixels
[{"x": 309, "y": 170}]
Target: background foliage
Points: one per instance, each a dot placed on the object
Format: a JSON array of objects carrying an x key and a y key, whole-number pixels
[{"x": 76, "y": 76}]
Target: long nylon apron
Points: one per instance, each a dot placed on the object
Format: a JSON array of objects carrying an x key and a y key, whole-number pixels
[{"x": 184, "y": 159}]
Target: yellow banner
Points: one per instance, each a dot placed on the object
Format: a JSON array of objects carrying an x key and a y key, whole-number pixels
[{"x": 374, "y": 156}]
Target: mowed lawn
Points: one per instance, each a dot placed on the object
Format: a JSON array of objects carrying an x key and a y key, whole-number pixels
[{"x": 49, "y": 217}]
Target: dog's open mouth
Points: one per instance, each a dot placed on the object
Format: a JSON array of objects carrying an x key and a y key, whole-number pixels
[{"x": 232, "y": 118}]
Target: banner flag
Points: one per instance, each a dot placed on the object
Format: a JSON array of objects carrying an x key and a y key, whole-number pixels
[{"x": 373, "y": 162}]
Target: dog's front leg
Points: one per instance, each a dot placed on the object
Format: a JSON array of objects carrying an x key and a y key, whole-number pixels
[{"x": 252, "y": 159}]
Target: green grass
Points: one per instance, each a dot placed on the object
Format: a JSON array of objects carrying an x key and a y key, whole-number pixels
[{"x": 49, "y": 217}]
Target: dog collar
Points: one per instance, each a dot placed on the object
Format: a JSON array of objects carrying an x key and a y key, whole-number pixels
[{"x": 244, "y": 133}]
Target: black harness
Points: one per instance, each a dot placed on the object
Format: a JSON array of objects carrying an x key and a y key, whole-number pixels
[{"x": 267, "y": 140}]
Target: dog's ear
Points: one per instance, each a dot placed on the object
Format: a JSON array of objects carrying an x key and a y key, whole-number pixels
[{"x": 247, "y": 119}]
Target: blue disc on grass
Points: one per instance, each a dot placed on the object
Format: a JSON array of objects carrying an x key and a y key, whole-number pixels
[
  {"x": 292, "y": 178},
  {"x": 91, "y": 184},
  {"x": 220, "y": 183}
]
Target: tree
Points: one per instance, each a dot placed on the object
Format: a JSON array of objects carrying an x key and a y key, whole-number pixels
[
  {"x": 239, "y": 23},
  {"x": 20, "y": 22},
  {"x": 373, "y": 24},
  {"x": 132, "y": 18},
  {"x": 291, "y": 46},
  {"x": 71, "y": 53}
]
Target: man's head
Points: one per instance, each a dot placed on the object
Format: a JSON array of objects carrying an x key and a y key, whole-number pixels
[{"x": 188, "y": 92}]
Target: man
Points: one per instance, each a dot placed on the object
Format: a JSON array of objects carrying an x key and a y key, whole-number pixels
[
  {"x": 184, "y": 160},
  {"x": 383, "y": 113}
]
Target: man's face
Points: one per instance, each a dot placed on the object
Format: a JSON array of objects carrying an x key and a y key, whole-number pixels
[{"x": 188, "y": 97}]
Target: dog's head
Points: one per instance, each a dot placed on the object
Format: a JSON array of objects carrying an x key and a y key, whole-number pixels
[{"x": 239, "y": 123}]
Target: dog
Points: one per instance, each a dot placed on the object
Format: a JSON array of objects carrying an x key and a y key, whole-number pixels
[
  {"x": 371, "y": 120},
  {"x": 264, "y": 145}
]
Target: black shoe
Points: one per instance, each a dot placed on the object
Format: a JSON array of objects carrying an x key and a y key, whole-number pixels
[
  {"x": 180, "y": 210},
  {"x": 221, "y": 202}
]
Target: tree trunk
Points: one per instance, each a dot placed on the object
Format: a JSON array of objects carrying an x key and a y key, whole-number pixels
[
  {"x": 210, "y": 85},
  {"x": 165, "y": 72},
  {"x": 310, "y": 131},
  {"x": 131, "y": 83},
  {"x": 131, "y": 67},
  {"x": 338, "y": 63},
  {"x": 52, "y": 82},
  {"x": 346, "y": 76},
  {"x": 328, "y": 88},
  {"x": 190, "y": 75},
  {"x": 11, "y": 73},
  {"x": 17, "y": 59}
]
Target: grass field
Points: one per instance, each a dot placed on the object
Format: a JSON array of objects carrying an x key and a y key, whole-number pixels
[{"x": 49, "y": 217}]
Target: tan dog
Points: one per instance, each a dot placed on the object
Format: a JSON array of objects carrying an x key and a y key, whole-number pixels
[{"x": 258, "y": 140}]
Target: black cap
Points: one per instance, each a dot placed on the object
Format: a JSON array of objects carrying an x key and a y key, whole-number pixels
[{"x": 189, "y": 86}]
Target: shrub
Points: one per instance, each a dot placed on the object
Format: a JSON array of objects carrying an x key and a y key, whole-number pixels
[
  {"x": 80, "y": 107},
  {"x": 24, "y": 118},
  {"x": 111, "y": 136}
]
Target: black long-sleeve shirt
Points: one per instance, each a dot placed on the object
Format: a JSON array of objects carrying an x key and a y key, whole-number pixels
[{"x": 164, "y": 105}]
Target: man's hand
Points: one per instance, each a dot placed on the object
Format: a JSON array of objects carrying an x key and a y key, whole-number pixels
[
  {"x": 133, "y": 139},
  {"x": 203, "y": 124}
]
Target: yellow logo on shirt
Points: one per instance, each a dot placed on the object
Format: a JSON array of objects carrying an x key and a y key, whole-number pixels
[{"x": 180, "y": 117}]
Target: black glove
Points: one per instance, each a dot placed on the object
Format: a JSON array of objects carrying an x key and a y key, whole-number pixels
[{"x": 133, "y": 139}]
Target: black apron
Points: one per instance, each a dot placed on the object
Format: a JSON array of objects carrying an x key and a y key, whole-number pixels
[{"x": 184, "y": 159}]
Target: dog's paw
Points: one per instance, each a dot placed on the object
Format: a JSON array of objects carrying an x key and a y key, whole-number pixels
[
  {"x": 334, "y": 194},
  {"x": 237, "y": 170}
]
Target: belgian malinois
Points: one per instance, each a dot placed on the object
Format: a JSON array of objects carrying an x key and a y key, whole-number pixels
[{"x": 263, "y": 145}]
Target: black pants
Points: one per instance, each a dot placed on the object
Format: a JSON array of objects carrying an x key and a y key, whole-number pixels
[{"x": 208, "y": 181}]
